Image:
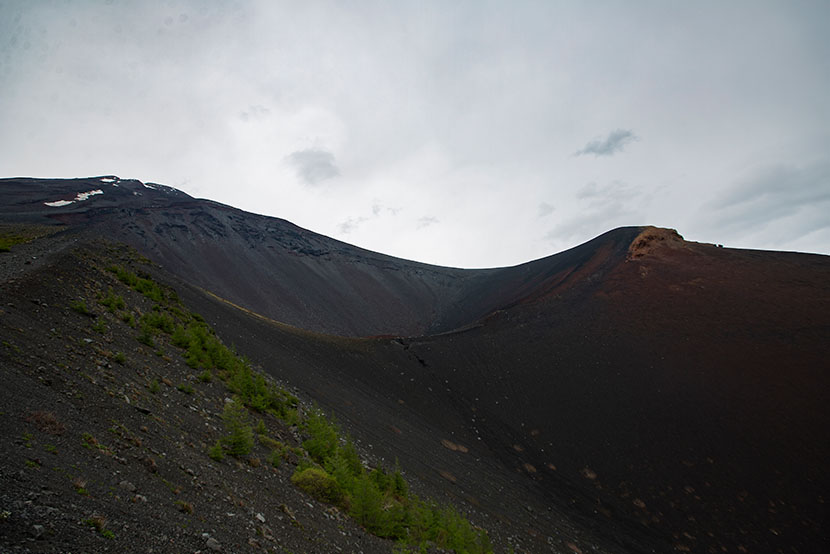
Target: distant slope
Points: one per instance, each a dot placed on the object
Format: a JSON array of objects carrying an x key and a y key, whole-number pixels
[
  {"x": 263, "y": 263},
  {"x": 637, "y": 393},
  {"x": 283, "y": 271},
  {"x": 681, "y": 395},
  {"x": 666, "y": 395}
]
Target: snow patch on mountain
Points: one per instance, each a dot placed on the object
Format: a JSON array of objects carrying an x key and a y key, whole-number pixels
[{"x": 80, "y": 197}]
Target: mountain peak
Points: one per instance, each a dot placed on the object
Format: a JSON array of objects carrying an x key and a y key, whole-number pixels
[{"x": 653, "y": 238}]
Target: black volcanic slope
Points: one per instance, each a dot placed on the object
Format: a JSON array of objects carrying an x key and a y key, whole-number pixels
[
  {"x": 264, "y": 264},
  {"x": 638, "y": 393}
]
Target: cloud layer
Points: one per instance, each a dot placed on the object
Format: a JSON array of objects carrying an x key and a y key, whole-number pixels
[{"x": 476, "y": 115}]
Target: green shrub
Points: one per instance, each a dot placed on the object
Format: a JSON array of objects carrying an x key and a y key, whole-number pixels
[
  {"x": 185, "y": 388},
  {"x": 80, "y": 307},
  {"x": 216, "y": 451},
  {"x": 275, "y": 459},
  {"x": 240, "y": 442},
  {"x": 158, "y": 320},
  {"x": 113, "y": 301},
  {"x": 100, "y": 525},
  {"x": 206, "y": 376},
  {"x": 318, "y": 484},
  {"x": 367, "y": 505},
  {"x": 128, "y": 318},
  {"x": 146, "y": 337},
  {"x": 324, "y": 437},
  {"x": 120, "y": 358},
  {"x": 142, "y": 284},
  {"x": 154, "y": 386},
  {"x": 268, "y": 442}
]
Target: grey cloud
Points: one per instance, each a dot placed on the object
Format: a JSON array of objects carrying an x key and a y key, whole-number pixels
[
  {"x": 254, "y": 112},
  {"x": 616, "y": 191},
  {"x": 426, "y": 221},
  {"x": 613, "y": 143},
  {"x": 783, "y": 200},
  {"x": 585, "y": 225},
  {"x": 313, "y": 165},
  {"x": 350, "y": 224},
  {"x": 602, "y": 207},
  {"x": 379, "y": 209},
  {"x": 545, "y": 209}
]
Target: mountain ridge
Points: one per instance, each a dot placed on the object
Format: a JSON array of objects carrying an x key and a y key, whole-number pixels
[{"x": 636, "y": 393}]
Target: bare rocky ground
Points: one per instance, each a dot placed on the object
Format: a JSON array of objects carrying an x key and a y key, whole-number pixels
[{"x": 95, "y": 461}]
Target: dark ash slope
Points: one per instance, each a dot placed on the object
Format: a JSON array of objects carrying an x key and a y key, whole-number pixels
[{"x": 638, "y": 393}]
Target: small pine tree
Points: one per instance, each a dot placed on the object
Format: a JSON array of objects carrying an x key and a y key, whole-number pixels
[
  {"x": 367, "y": 504},
  {"x": 399, "y": 486},
  {"x": 352, "y": 460},
  {"x": 216, "y": 452},
  {"x": 322, "y": 444},
  {"x": 240, "y": 442}
]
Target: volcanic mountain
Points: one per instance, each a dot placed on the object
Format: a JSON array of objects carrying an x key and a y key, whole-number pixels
[{"x": 637, "y": 393}]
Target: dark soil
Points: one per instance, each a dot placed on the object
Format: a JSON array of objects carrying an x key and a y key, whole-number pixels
[
  {"x": 638, "y": 393},
  {"x": 94, "y": 461}
]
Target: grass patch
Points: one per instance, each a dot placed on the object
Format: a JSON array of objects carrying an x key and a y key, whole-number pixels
[
  {"x": 7, "y": 241},
  {"x": 184, "y": 507},
  {"x": 100, "y": 525},
  {"x": 113, "y": 301},
  {"x": 81, "y": 308},
  {"x": 14, "y": 234}
]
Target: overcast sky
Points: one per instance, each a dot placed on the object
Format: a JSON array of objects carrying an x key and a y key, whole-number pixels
[{"x": 469, "y": 134}]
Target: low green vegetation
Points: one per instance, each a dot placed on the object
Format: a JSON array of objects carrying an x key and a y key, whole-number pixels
[
  {"x": 205, "y": 351},
  {"x": 142, "y": 284},
  {"x": 9, "y": 240},
  {"x": 81, "y": 308},
  {"x": 13, "y": 234},
  {"x": 217, "y": 451},
  {"x": 184, "y": 507},
  {"x": 380, "y": 501},
  {"x": 146, "y": 337},
  {"x": 240, "y": 440},
  {"x": 100, "y": 525},
  {"x": 329, "y": 467},
  {"x": 113, "y": 302}
]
